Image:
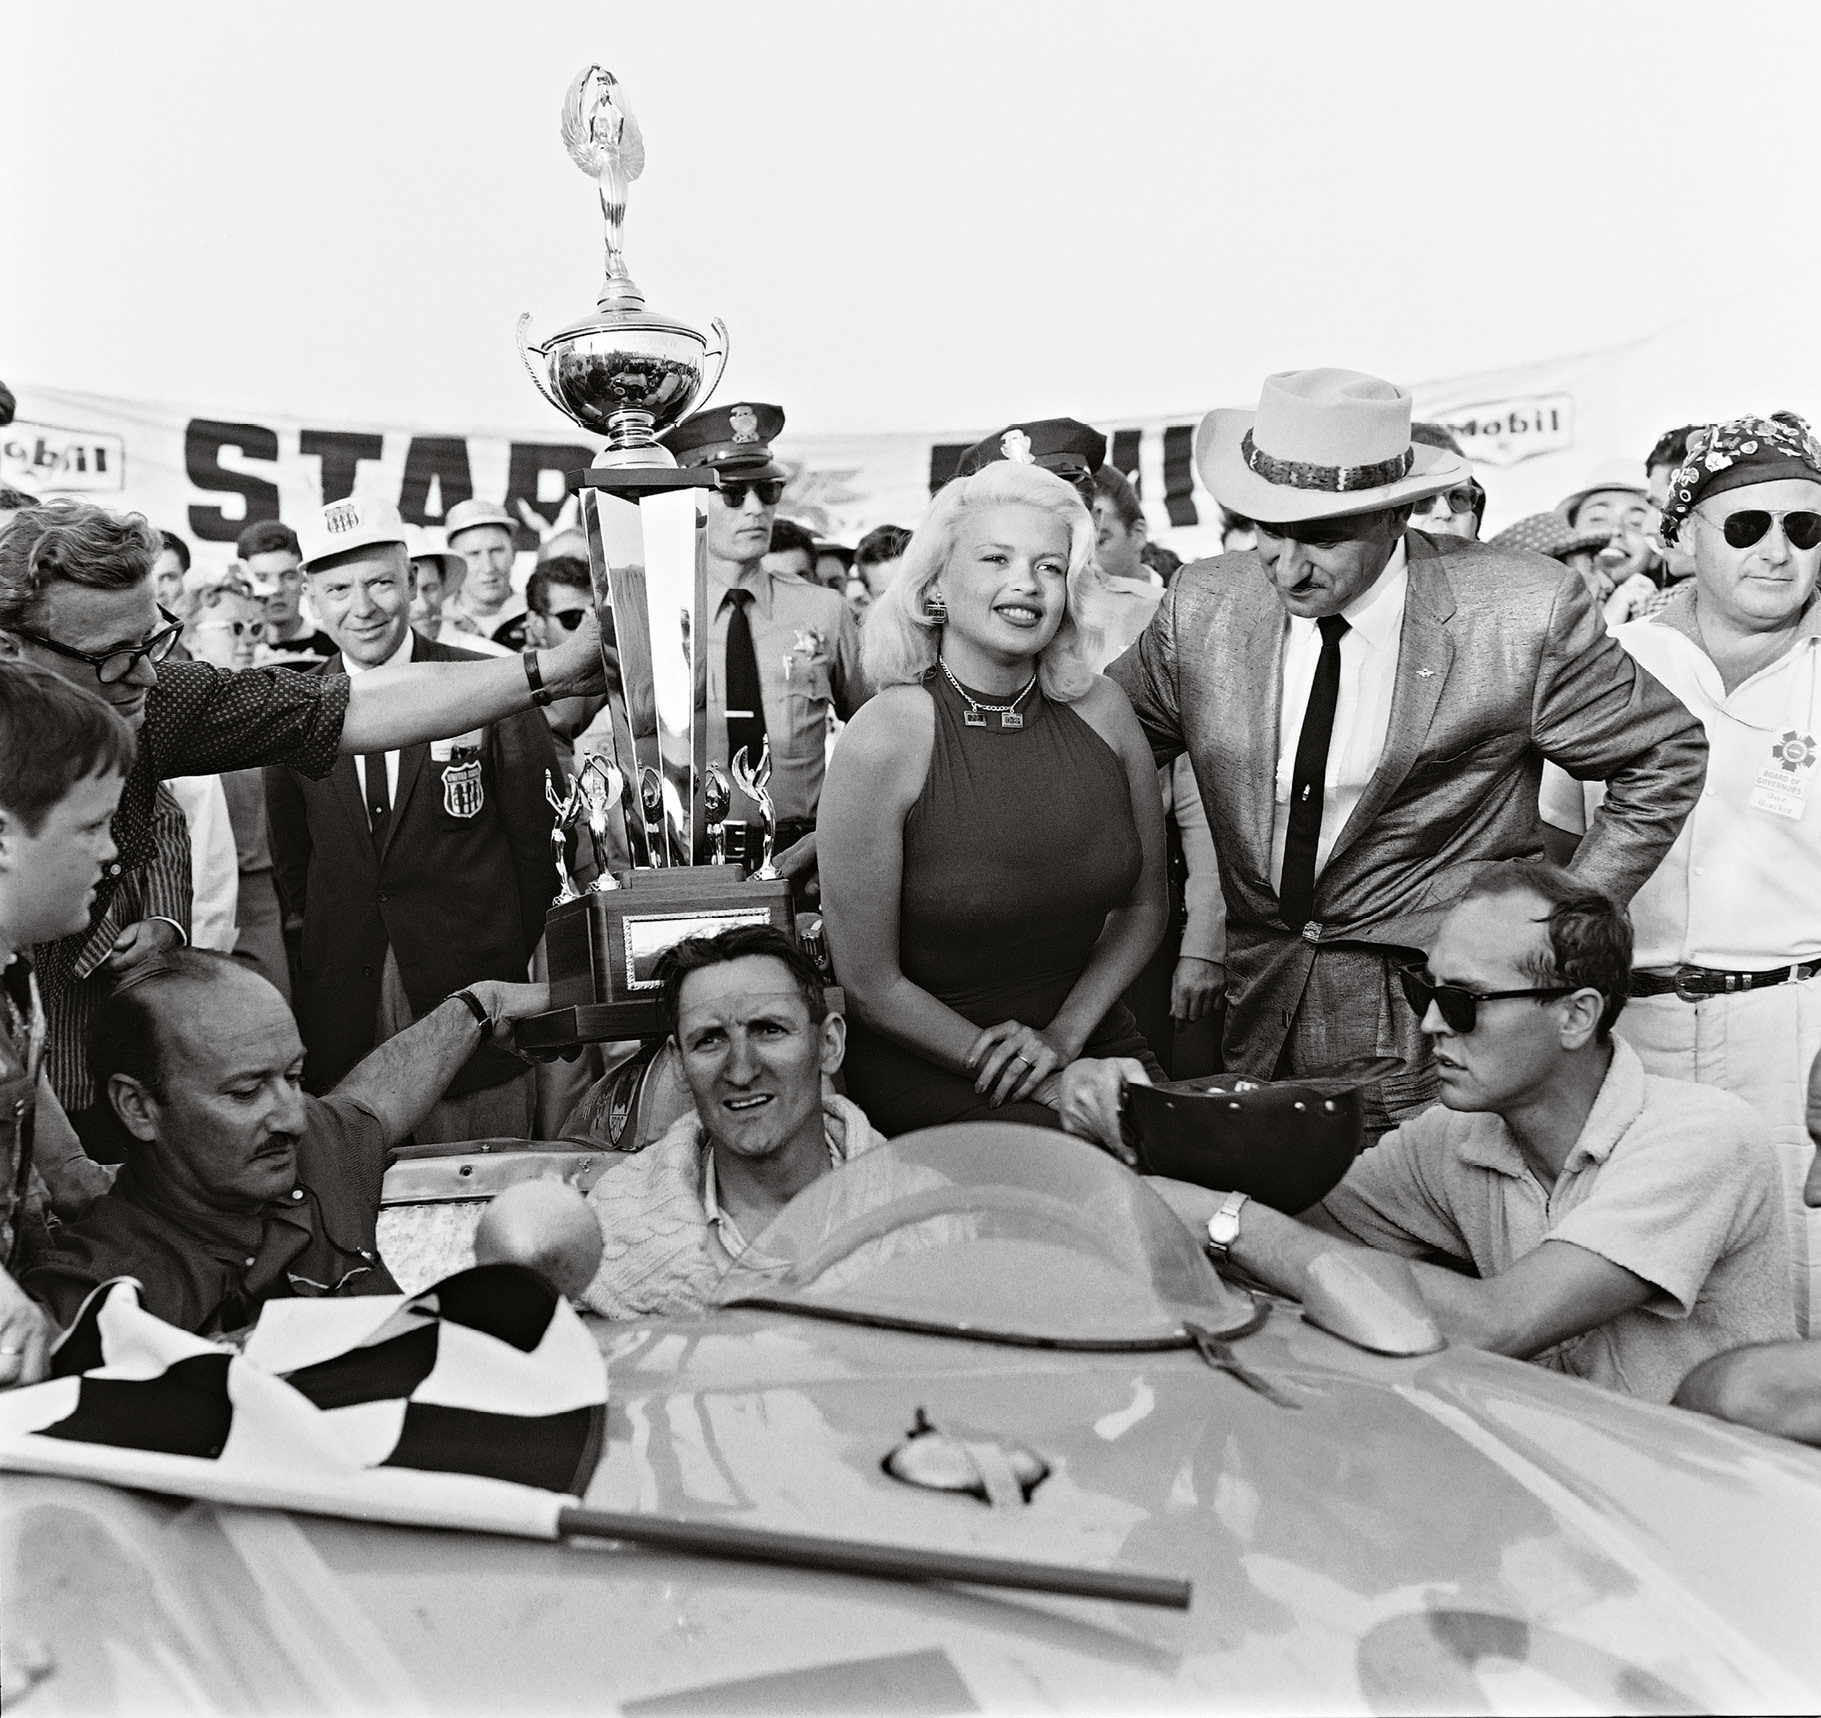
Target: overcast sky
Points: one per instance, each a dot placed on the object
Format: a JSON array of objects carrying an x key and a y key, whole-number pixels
[{"x": 920, "y": 216}]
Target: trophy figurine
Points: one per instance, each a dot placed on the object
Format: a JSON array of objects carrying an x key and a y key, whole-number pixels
[
  {"x": 753, "y": 783},
  {"x": 566, "y": 807},
  {"x": 717, "y": 801},
  {"x": 601, "y": 788},
  {"x": 629, "y": 375}
]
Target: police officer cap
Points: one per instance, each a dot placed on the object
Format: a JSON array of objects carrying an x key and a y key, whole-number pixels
[
  {"x": 1074, "y": 451},
  {"x": 732, "y": 439}
]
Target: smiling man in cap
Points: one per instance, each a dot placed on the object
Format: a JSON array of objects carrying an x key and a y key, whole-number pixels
[
  {"x": 783, "y": 651},
  {"x": 1368, "y": 710}
]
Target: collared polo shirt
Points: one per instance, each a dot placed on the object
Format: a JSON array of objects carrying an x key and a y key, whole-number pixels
[
  {"x": 321, "y": 1240},
  {"x": 1740, "y": 890},
  {"x": 1673, "y": 1181},
  {"x": 1362, "y": 712}
]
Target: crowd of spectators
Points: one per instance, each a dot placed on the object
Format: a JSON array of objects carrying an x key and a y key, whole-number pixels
[{"x": 1526, "y": 814}]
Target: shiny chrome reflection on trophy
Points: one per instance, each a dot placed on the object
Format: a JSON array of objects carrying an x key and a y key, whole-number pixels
[
  {"x": 567, "y": 807},
  {"x": 717, "y": 801},
  {"x": 601, "y": 788},
  {"x": 753, "y": 783},
  {"x": 626, "y": 372}
]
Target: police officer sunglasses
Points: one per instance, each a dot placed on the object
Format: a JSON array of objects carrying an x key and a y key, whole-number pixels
[
  {"x": 1749, "y": 525},
  {"x": 770, "y": 491},
  {"x": 113, "y": 666},
  {"x": 1460, "y": 1007}
]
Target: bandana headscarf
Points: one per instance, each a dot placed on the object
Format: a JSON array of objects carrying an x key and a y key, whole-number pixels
[{"x": 1731, "y": 455}]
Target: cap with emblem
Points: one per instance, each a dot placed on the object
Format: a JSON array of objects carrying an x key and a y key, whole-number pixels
[
  {"x": 466, "y": 515},
  {"x": 356, "y": 523},
  {"x": 1073, "y": 451},
  {"x": 732, "y": 439}
]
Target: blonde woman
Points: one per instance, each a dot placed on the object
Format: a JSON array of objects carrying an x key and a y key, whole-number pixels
[{"x": 991, "y": 836}]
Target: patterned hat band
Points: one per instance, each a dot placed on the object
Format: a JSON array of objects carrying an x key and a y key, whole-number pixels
[{"x": 1334, "y": 479}]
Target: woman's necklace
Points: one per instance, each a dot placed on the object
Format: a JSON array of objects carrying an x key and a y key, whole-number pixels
[{"x": 976, "y": 713}]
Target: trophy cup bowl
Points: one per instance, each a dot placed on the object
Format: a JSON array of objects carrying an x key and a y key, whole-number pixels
[{"x": 629, "y": 376}]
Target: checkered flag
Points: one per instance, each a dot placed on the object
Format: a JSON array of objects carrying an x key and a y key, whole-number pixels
[{"x": 478, "y": 1403}]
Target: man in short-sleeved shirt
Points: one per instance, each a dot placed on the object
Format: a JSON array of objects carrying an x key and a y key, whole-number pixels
[{"x": 1619, "y": 1227}]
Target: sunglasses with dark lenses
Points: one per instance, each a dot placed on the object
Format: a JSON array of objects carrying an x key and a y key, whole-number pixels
[
  {"x": 567, "y": 618},
  {"x": 113, "y": 666},
  {"x": 1460, "y": 1007},
  {"x": 1462, "y": 500},
  {"x": 239, "y": 628},
  {"x": 1750, "y": 524},
  {"x": 770, "y": 491}
]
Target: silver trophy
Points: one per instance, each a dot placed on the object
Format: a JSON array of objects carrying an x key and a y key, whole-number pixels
[
  {"x": 567, "y": 807},
  {"x": 752, "y": 783},
  {"x": 717, "y": 801}
]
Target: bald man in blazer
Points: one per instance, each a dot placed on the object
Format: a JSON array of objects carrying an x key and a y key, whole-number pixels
[{"x": 1412, "y": 736}]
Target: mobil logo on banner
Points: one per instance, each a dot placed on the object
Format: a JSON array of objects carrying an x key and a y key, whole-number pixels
[
  {"x": 1503, "y": 432},
  {"x": 42, "y": 459}
]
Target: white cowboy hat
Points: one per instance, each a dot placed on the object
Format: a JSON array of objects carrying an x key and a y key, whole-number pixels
[{"x": 1323, "y": 444}]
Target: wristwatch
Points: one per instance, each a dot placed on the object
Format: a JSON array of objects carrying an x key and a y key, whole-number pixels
[{"x": 1223, "y": 1226}]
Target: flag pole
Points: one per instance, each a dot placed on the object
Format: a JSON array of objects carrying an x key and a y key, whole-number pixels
[{"x": 850, "y": 1557}]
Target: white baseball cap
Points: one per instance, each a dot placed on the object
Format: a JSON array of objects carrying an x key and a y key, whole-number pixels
[{"x": 359, "y": 522}]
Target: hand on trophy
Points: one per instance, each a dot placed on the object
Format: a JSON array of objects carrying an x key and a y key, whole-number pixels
[{"x": 578, "y": 667}]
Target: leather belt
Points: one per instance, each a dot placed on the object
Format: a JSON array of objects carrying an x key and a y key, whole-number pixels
[{"x": 1697, "y": 983}]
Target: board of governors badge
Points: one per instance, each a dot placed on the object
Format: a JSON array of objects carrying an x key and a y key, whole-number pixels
[{"x": 463, "y": 793}]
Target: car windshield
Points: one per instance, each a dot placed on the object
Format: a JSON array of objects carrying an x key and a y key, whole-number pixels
[{"x": 993, "y": 1232}]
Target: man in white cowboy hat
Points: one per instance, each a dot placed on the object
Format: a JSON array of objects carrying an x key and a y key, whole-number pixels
[{"x": 1368, "y": 710}]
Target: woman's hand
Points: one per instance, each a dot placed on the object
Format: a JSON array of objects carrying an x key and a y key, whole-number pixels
[{"x": 1013, "y": 1061}]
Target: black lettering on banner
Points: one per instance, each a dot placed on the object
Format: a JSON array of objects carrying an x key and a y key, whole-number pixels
[
  {"x": 1179, "y": 474},
  {"x": 204, "y": 441},
  {"x": 1124, "y": 457},
  {"x": 943, "y": 459},
  {"x": 443, "y": 458},
  {"x": 341, "y": 452},
  {"x": 530, "y": 460}
]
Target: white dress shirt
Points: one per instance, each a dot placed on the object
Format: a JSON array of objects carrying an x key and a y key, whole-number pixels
[
  {"x": 401, "y": 654},
  {"x": 1362, "y": 714}
]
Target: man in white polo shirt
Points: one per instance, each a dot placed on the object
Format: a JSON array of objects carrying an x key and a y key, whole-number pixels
[
  {"x": 1619, "y": 1227},
  {"x": 1728, "y": 982}
]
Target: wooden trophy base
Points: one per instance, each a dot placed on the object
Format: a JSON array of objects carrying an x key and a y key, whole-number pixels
[{"x": 603, "y": 948}]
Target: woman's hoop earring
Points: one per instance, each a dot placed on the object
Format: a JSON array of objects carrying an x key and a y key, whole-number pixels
[{"x": 935, "y": 607}]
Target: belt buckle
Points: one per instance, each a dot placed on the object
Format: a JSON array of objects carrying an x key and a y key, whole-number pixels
[{"x": 1684, "y": 979}]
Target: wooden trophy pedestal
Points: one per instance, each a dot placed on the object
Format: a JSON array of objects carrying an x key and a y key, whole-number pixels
[{"x": 603, "y": 948}]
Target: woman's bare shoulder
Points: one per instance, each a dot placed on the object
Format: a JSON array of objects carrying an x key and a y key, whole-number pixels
[
  {"x": 890, "y": 737},
  {"x": 1106, "y": 709}
]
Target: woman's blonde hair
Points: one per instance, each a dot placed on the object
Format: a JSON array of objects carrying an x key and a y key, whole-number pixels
[
  {"x": 204, "y": 587},
  {"x": 900, "y": 641}
]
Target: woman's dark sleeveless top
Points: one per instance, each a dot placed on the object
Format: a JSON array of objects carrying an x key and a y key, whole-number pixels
[{"x": 1015, "y": 851}]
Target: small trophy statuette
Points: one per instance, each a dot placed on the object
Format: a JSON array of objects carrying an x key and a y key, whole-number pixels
[
  {"x": 717, "y": 801},
  {"x": 752, "y": 783},
  {"x": 601, "y": 787},
  {"x": 603, "y": 140},
  {"x": 566, "y": 808}
]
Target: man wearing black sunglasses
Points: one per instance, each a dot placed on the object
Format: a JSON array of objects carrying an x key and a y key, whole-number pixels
[
  {"x": 1606, "y": 1223},
  {"x": 783, "y": 651},
  {"x": 76, "y": 597},
  {"x": 1368, "y": 709}
]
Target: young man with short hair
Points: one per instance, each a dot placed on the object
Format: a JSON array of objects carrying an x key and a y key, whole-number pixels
[
  {"x": 750, "y": 1025},
  {"x": 63, "y": 757},
  {"x": 1620, "y": 1227},
  {"x": 268, "y": 550}
]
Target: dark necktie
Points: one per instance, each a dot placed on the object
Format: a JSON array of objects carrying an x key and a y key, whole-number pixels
[
  {"x": 379, "y": 797},
  {"x": 1296, "y": 891},
  {"x": 745, "y": 701}
]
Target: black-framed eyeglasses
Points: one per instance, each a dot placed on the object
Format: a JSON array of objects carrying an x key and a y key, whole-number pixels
[
  {"x": 770, "y": 491},
  {"x": 567, "y": 618},
  {"x": 1750, "y": 524},
  {"x": 1460, "y": 1007},
  {"x": 112, "y": 666}
]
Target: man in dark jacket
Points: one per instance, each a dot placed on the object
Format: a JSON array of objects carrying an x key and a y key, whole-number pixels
[{"x": 412, "y": 872}]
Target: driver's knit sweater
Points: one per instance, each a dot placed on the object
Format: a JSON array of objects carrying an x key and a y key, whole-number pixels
[{"x": 659, "y": 1252}]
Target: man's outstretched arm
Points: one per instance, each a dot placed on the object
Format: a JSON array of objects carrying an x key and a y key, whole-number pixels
[
  {"x": 417, "y": 701},
  {"x": 406, "y": 1075},
  {"x": 1556, "y": 1292}
]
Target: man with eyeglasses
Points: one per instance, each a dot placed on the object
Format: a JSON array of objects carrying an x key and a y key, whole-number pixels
[
  {"x": 76, "y": 597},
  {"x": 1728, "y": 983},
  {"x": 1562, "y": 1204},
  {"x": 1368, "y": 709},
  {"x": 1455, "y": 512},
  {"x": 783, "y": 651}
]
